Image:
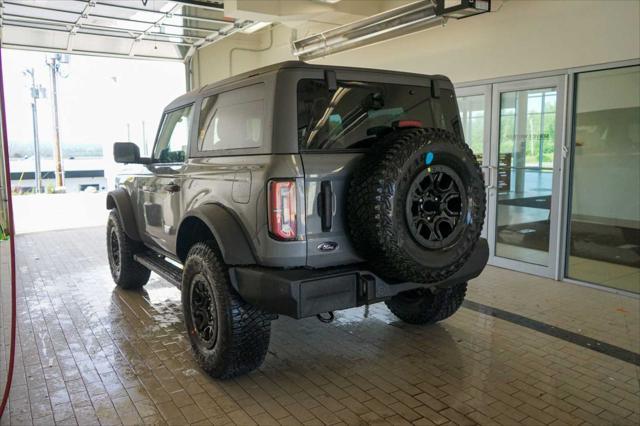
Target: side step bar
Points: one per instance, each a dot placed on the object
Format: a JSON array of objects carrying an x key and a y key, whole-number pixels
[{"x": 160, "y": 266}]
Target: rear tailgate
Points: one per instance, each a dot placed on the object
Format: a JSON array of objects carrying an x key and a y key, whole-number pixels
[
  {"x": 338, "y": 121},
  {"x": 326, "y": 186}
]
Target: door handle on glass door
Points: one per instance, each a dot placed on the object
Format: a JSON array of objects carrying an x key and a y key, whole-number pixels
[{"x": 487, "y": 175}]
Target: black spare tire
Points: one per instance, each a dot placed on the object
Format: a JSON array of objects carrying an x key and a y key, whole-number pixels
[{"x": 416, "y": 205}]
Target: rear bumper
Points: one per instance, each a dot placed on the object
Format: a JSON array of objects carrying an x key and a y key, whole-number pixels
[{"x": 301, "y": 293}]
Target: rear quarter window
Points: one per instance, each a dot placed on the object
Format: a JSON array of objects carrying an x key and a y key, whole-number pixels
[{"x": 232, "y": 120}]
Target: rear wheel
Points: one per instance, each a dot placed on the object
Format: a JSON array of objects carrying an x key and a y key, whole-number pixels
[
  {"x": 426, "y": 306},
  {"x": 229, "y": 337},
  {"x": 126, "y": 272}
]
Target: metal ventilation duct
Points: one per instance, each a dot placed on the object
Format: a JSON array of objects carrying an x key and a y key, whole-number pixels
[{"x": 390, "y": 24}]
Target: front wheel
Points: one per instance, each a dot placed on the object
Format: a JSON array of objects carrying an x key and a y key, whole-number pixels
[
  {"x": 229, "y": 337},
  {"x": 126, "y": 272},
  {"x": 426, "y": 306}
]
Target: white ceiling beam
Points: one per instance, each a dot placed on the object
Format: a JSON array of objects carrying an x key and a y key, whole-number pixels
[
  {"x": 82, "y": 17},
  {"x": 156, "y": 24},
  {"x": 85, "y": 20}
]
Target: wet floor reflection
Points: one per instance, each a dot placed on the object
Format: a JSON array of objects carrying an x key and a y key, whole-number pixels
[
  {"x": 153, "y": 317},
  {"x": 90, "y": 353}
]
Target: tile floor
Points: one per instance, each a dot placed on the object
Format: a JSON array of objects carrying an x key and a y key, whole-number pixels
[{"x": 91, "y": 354}]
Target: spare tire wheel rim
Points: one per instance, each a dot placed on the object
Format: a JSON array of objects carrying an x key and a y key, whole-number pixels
[
  {"x": 436, "y": 206},
  {"x": 203, "y": 312}
]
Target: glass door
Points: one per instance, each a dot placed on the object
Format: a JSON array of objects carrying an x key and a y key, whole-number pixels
[
  {"x": 526, "y": 159},
  {"x": 474, "y": 104}
]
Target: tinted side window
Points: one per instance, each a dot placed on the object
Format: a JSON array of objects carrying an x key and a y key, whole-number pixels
[
  {"x": 232, "y": 120},
  {"x": 173, "y": 138}
]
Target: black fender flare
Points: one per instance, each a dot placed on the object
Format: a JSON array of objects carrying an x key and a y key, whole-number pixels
[
  {"x": 119, "y": 199},
  {"x": 230, "y": 236}
]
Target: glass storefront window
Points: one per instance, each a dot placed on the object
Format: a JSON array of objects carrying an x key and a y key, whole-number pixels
[
  {"x": 472, "y": 117},
  {"x": 603, "y": 244}
]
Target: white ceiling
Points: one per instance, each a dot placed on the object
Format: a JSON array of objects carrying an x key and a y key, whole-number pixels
[{"x": 154, "y": 29}]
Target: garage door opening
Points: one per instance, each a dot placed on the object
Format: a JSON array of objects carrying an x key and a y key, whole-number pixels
[{"x": 86, "y": 103}]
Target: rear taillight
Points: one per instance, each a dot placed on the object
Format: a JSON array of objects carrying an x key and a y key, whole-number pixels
[{"x": 282, "y": 209}]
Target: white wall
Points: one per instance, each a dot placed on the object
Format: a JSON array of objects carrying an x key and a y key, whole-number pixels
[
  {"x": 212, "y": 63},
  {"x": 521, "y": 36}
]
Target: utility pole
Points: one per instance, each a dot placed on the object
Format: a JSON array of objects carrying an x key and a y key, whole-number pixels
[
  {"x": 54, "y": 65},
  {"x": 37, "y": 92}
]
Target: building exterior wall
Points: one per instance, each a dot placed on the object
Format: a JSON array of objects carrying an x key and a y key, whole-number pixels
[
  {"x": 79, "y": 172},
  {"x": 26, "y": 186}
]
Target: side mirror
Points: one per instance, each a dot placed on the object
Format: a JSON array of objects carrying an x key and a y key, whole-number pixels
[{"x": 128, "y": 152}]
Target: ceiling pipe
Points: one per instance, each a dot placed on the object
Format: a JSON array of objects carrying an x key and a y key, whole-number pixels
[
  {"x": 382, "y": 26},
  {"x": 392, "y": 23}
]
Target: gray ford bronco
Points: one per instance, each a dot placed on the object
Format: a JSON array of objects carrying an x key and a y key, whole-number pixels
[{"x": 300, "y": 190}]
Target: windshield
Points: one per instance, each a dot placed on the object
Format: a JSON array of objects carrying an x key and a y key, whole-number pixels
[{"x": 357, "y": 113}]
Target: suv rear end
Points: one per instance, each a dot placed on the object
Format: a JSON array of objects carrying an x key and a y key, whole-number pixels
[
  {"x": 338, "y": 125},
  {"x": 332, "y": 117}
]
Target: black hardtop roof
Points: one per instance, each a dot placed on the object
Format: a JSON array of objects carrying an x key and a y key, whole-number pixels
[{"x": 190, "y": 96}]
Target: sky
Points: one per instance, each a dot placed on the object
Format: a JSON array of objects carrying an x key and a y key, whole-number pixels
[{"x": 97, "y": 99}]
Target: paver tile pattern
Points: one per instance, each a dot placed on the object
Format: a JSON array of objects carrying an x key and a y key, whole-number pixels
[{"x": 92, "y": 354}]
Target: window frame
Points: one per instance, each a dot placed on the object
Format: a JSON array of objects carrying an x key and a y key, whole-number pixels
[{"x": 165, "y": 113}]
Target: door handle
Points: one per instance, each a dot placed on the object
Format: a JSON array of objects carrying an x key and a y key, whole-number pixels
[
  {"x": 490, "y": 175},
  {"x": 171, "y": 187},
  {"x": 486, "y": 175},
  {"x": 325, "y": 205}
]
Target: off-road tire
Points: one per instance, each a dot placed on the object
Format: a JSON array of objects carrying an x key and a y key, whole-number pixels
[
  {"x": 126, "y": 272},
  {"x": 426, "y": 306},
  {"x": 377, "y": 205},
  {"x": 242, "y": 331}
]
